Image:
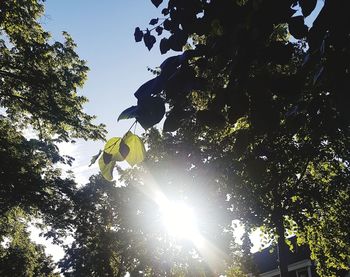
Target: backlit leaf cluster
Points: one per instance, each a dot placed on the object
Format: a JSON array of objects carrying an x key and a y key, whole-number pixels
[{"x": 129, "y": 148}]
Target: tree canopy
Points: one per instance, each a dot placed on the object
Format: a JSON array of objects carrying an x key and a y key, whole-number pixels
[
  {"x": 120, "y": 229},
  {"x": 269, "y": 110},
  {"x": 256, "y": 129},
  {"x": 40, "y": 107},
  {"x": 19, "y": 256}
]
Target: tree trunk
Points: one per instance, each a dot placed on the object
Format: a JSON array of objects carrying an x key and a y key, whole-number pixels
[{"x": 282, "y": 248}]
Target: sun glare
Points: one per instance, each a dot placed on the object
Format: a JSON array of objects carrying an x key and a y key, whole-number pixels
[{"x": 178, "y": 218}]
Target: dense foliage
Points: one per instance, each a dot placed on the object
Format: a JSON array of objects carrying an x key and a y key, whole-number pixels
[
  {"x": 120, "y": 229},
  {"x": 40, "y": 107},
  {"x": 261, "y": 135},
  {"x": 19, "y": 256},
  {"x": 270, "y": 111}
]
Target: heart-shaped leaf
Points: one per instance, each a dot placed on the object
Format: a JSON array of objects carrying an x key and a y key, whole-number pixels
[
  {"x": 137, "y": 148},
  {"x": 157, "y": 2},
  {"x": 151, "y": 111},
  {"x": 115, "y": 150},
  {"x": 164, "y": 46},
  {"x": 106, "y": 169},
  {"x": 112, "y": 148},
  {"x": 178, "y": 40},
  {"x": 149, "y": 40},
  {"x": 138, "y": 34}
]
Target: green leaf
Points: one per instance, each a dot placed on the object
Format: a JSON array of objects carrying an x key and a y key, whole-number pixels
[
  {"x": 106, "y": 169},
  {"x": 137, "y": 148},
  {"x": 116, "y": 149},
  {"x": 94, "y": 158}
]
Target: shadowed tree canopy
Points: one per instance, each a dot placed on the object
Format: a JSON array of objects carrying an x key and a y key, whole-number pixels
[
  {"x": 267, "y": 112},
  {"x": 19, "y": 256},
  {"x": 40, "y": 107}
]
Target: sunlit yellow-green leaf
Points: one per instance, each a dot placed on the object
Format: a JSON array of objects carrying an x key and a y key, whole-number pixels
[
  {"x": 137, "y": 149},
  {"x": 116, "y": 148},
  {"x": 106, "y": 169}
]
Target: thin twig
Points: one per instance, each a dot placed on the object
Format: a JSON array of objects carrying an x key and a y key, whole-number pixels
[{"x": 132, "y": 125}]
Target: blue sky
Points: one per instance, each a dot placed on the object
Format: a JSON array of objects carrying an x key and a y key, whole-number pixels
[{"x": 103, "y": 31}]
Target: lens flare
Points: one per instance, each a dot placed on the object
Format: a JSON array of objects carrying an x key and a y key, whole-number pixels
[{"x": 178, "y": 218}]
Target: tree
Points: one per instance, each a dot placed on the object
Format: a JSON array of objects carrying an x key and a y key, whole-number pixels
[
  {"x": 40, "y": 107},
  {"x": 39, "y": 81},
  {"x": 19, "y": 256},
  {"x": 270, "y": 112},
  {"x": 119, "y": 229}
]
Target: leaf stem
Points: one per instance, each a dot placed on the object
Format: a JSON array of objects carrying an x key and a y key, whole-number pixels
[
  {"x": 135, "y": 122},
  {"x": 160, "y": 24}
]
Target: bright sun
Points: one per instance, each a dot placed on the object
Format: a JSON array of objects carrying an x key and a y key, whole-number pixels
[{"x": 178, "y": 218}]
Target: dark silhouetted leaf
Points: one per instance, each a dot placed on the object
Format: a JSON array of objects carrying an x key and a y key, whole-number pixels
[
  {"x": 168, "y": 24},
  {"x": 177, "y": 40},
  {"x": 151, "y": 111},
  {"x": 169, "y": 66},
  {"x": 165, "y": 11},
  {"x": 159, "y": 30},
  {"x": 157, "y": 2},
  {"x": 154, "y": 21},
  {"x": 151, "y": 87},
  {"x": 146, "y": 89},
  {"x": 307, "y": 6},
  {"x": 128, "y": 113},
  {"x": 138, "y": 34},
  {"x": 149, "y": 40},
  {"x": 297, "y": 28},
  {"x": 164, "y": 46}
]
